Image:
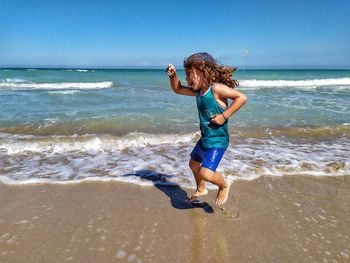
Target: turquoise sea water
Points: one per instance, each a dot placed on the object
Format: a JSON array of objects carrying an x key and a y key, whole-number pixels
[
  {"x": 105, "y": 116},
  {"x": 142, "y": 99}
]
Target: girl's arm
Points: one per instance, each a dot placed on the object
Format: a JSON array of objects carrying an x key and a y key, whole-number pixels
[
  {"x": 225, "y": 92},
  {"x": 176, "y": 84}
]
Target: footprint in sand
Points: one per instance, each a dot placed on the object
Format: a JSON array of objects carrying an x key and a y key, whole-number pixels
[{"x": 121, "y": 254}]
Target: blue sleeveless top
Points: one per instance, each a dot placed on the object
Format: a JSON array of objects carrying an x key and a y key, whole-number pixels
[{"x": 213, "y": 135}]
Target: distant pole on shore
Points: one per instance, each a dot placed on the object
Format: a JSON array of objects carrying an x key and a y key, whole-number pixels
[{"x": 245, "y": 53}]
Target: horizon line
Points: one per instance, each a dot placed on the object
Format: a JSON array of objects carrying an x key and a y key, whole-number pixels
[{"x": 160, "y": 68}]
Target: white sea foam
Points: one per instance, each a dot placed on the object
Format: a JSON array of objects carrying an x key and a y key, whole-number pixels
[
  {"x": 10, "y": 181},
  {"x": 91, "y": 143},
  {"x": 15, "y": 80},
  {"x": 79, "y": 70},
  {"x": 146, "y": 159},
  {"x": 59, "y": 85},
  {"x": 312, "y": 83}
]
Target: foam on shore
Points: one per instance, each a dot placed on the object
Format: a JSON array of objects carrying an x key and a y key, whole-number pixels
[{"x": 138, "y": 158}]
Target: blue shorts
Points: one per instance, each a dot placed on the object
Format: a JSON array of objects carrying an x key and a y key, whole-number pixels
[{"x": 210, "y": 158}]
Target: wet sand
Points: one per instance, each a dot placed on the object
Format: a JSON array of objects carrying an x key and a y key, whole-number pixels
[{"x": 271, "y": 219}]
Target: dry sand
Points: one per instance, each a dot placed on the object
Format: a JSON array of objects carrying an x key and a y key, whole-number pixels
[{"x": 271, "y": 219}]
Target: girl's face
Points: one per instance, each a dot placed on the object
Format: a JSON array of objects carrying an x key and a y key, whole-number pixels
[{"x": 195, "y": 78}]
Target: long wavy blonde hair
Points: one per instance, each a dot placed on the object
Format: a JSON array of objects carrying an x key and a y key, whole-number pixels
[{"x": 213, "y": 72}]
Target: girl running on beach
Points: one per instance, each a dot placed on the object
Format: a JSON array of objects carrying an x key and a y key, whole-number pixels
[{"x": 212, "y": 85}]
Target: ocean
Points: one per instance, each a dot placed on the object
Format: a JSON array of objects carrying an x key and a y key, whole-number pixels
[{"x": 75, "y": 125}]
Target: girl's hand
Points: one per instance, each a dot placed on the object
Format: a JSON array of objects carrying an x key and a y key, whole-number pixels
[
  {"x": 218, "y": 119},
  {"x": 171, "y": 71}
]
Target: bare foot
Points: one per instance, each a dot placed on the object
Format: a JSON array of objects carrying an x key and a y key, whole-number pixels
[
  {"x": 222, "y": 196},
  {"x": 197, "y": 194}
]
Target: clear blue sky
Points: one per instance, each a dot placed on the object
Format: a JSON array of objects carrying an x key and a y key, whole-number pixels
[{"x": 278, "y": 34}]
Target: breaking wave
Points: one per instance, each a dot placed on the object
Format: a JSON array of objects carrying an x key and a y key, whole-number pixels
[
  {"x": 311, "y": 83},
  {"x": 16, "y": 85}
]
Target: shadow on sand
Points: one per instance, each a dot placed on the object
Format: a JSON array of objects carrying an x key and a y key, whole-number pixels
[{"x": 176, "y": 194}]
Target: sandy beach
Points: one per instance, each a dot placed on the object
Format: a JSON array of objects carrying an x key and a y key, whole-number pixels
[
  {"x": 102, "y": 104},
  {"x": 271, "y": 219}
]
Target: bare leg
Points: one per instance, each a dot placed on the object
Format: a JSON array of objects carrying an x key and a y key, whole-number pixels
[
  {"x": 217, "y": 179},
  {"x": 201, "y": 189}
]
